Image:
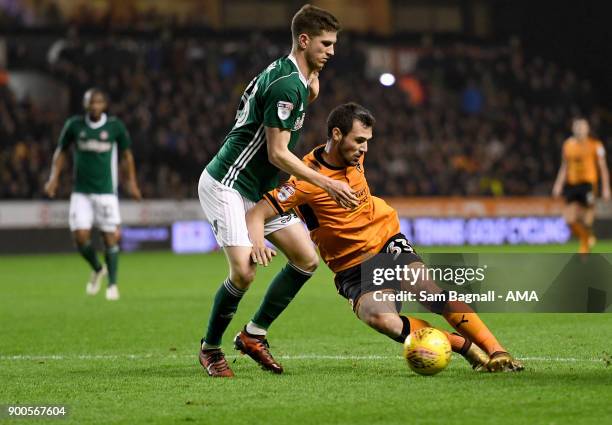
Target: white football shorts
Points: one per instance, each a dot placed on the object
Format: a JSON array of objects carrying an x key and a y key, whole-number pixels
[
  {"x": 225, "y": 209},
  {"x": 94, "y": 209}
]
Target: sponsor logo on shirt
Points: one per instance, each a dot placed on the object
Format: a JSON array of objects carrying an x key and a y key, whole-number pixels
[
  {"x": 94, "y": 146},
  {"x": 104, "y": 135},
  {"x": 285, "y": 192},
  {"x": 284, "y": 109}
]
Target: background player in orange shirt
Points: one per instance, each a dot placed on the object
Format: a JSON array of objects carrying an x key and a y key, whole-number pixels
[
  {"x": 583, "y": 162},
  {"x": 348, "y": 238}
]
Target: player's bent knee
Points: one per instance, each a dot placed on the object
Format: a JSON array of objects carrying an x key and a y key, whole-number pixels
[
  {"x": 308, "y": 264},
  {"x": 242, "y": 277},
  {"x": 312, "y": 263},
  {"x": 81, "y": 237},
  {"x": 110, "y": 239},
  {"x": 382, "y": 322}
]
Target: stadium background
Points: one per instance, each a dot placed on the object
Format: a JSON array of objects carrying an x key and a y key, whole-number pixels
[{"x": 481, "y": 103}]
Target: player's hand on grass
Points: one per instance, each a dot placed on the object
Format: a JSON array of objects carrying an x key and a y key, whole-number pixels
[
  {"x": 51, "y": 188},
  {"x": 134, "y": 190},
  {"x": 261, "y": 254},
  {"x": 313, "y": 86},
  {"x": 342, "y": 193}
]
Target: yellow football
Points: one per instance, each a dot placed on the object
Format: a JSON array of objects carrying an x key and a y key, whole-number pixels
[{"x": 427, "y": 351}]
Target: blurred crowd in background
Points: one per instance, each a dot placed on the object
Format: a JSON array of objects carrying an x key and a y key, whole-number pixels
[{"x": 469, "y": 120}]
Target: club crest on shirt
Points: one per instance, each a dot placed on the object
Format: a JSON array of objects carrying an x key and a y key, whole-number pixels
[
  {"x": 104, "y": 135},
  {"x": 284, "y": 109},
  {"x": 285, "y": 192},
  {"x": 299, "y": 122}
]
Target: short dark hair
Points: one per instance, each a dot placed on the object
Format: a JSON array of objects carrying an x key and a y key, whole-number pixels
[
  {"x": 343, "y": 116},
  {"x": 95, "y": 90},
  {"x": 313, "y": 21}
]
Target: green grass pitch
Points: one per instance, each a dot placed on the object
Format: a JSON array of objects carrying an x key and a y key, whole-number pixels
[{"x": 134, "y": 361}]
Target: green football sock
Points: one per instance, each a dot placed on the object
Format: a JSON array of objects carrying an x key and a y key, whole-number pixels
[
  {"x": 112, "y": 263},
  {"x": 89, "y": 254},
  {"x": 223, "y": 309},
  {"x": 284, "y": 287}
]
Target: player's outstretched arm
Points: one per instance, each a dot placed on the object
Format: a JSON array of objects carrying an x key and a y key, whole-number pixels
[
  {"x": 255, "y": 219},
  {"x": 280, "y": 156},
  {"x": 605, "y": 177},
  {"x": 132, "y": 183},
  {"x": 560, "y": 181},
  {"x": 57, "y": 165}
]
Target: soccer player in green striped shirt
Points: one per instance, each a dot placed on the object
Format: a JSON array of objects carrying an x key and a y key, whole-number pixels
[
  {"x": 266, "y": 129},
  {"x": 98, "y": 140}
]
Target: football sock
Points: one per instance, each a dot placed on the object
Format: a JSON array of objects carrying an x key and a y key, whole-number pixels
[
  {"x": 111, "y": 257},
  {"x": 467, "y": 323},
  {"x": 588, "y": 234},
  {"x": 224, "y": 306},
  {"x": 577, "y": 229},
  {"x": 584, "y": 238},
  {"x": 88, "y": 252},
  {"x": 582, "y": 233},
  {"x": 405, "y": 330},
  {"x": 458, "y": 343},
  {"x": 253, "y": 329},
  {"x": 281, "y": 291}
]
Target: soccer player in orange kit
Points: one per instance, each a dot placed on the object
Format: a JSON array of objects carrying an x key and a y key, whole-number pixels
[
  {"x": 583, "y": 163},
  {"x": 348, "y": 238}
]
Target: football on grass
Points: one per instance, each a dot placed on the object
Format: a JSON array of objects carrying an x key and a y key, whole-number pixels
[{"x": 427, "y": 351}]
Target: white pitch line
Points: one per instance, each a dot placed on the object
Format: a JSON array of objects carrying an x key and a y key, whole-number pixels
[
  {"x": 558, "y": 359},
  {"x": 26, "y": 357}
]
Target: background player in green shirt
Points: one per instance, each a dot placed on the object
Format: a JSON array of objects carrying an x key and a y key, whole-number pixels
[
  {"x": 267, "y": 126},
  {"x": 98, "y": 139}
]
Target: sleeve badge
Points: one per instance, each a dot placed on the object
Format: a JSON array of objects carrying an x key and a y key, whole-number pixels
[
  {"x": 284, "y": 109},
  {"x": 285, "y": 192}
]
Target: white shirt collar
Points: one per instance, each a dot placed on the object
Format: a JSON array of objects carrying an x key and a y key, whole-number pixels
[
  {"x": 97, "y": 124},
  {"x": 302, "y": 78}
]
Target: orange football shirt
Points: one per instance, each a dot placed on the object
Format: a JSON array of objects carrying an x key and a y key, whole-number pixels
[
  {"x": 581, "y": 159},
  {"x": 345, "y": 237}
]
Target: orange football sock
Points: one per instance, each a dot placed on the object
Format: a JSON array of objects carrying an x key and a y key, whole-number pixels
[
  {"x": 583, "y": 236},
  {"x": 467, "y": 323},
  {"x": 458, "y": 343},
  {"x": 577, "y": 229},
  {"x": 582, "y": 233},
  {"x": 587, "y": 242},
  {"x": 417, "y": 324}
]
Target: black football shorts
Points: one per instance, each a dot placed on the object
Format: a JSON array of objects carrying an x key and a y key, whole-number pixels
[{"x": 349, "y": 282}]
